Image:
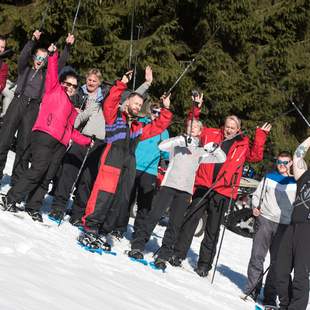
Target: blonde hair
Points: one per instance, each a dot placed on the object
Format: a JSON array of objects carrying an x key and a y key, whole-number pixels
[
  {"x": 234, "y": 118},
  {"x": 95, "y": 72}
]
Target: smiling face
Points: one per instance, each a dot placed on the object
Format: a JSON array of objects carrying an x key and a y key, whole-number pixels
[
  {"x": 2, "y": 45},
  {"x": 70, "y": 85},
  {"x": 134, "y": 105},
  {"x": 194, "y": 130},
  {"x": 39, "y": 58},
  {"x": 92, "y": 83},
  {"x": 231, "y": 128}
]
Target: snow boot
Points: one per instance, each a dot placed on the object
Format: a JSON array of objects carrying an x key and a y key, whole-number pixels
[
  {"x": 136, "y": 254},
  {"x": 175, "y": 261},
  {"x": 202, "y": 272},
  {"x": 56, "y": 215},
  {"x": 93, "y": 241},
  {"x": 35, "y": 215},
  {"x": 160, "y": 263},
  {"x": 117, "y": 234}
]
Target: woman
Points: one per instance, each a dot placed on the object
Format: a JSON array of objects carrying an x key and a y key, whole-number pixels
[{"x": 51, "y": 134}]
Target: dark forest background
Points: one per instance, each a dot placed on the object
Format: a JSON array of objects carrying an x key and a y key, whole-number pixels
[{"x": 252, "y": 56}]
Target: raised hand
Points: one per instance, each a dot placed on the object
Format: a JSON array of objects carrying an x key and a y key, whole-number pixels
[
  {"x": 127, "y": 77},
  {"x": 148, "y": 75},
  {"x": 36, "y": 35},
  {"x": 166, "y": 101},
  {"x": 266, "y": 127},
  {"x": 70, "y": 39}
]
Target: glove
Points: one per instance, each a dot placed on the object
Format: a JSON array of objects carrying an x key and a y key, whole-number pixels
[
  {"x": 188, "y": 140},
  {"x": 210, "y": 147}
]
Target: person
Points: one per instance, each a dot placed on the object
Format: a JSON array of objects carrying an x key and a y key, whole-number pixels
[
  {"x": 216, "y": 185},
  {"x": 185, "y": 156},
  {"x": 272, "y": 204},
  {"x": 90, "y": 122},
  {"x": 4, "y": 68},
  {"x": 7, "y": 97},
  {"x": 23, "y": 110},
  {"x": 51, "y": 134},
  {"x": 294, "y": 250},
  {"x": 148, "y": 156},
  {"x": 116, "y": 173}
]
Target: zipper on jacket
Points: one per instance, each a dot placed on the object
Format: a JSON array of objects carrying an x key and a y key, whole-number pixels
[{"x": 66, "y": 125}]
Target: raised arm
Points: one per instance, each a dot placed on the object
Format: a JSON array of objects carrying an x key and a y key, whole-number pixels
[
  {"x": 63, "y": 58},
  {"x": 27, "y": 51},
  {"x": 171, "y": 143},
  {"x": 256, "y": 152},
  {"x": 212, "y": 153},
  {"x": 142, "y": 89},
  {"x": 4, "y": 69},
  {"x": 52, "y": 69},
  {"x": 299, "y": 164}
]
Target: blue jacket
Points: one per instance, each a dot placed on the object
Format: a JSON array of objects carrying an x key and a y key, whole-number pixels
[{"x": 148, "y": 153}]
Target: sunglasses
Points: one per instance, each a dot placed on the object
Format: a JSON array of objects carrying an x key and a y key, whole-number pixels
[
  {"x": 282, "y": 162},
  {"x": 39, "y": 58},
  {"x": 68, "y": 84},
  {"x": 156, "y": 112}
]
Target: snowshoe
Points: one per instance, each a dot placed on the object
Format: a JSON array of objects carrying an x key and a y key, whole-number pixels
[
  {"x": 35, "y": 215},
  {"x": 117, "y": 234},
  {"x": 175, "y": 261},
  {"x": 160, "y": 263},
  {"x": 136, "y": 254}
]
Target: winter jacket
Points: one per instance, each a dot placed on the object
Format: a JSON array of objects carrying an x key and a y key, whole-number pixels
[
  {"x": 116, "y": 121},
  {"x": 147, "y": 152},
  {"x": 57, "y": 113},
  {"x": 184, "y": 161},
  {"x": 277, "y": 194},
  {"x": 4, "y": 69},
  {"x": 228, "y": 178}
]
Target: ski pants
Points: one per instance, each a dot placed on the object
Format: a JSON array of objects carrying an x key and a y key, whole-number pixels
[
  {"x": 215, "y": 205},
  {"x": 47, "y": 153},
  {"x": 142, "y": 192},
  {"x": 112, "y": 188},
  {"x": 268, "y": 236},
  {"x": 67, "y": 175},
  {"x": 178, "y": 202},
  {"x": 12, "y": 121},
  {"x": 294, "y": 254}
]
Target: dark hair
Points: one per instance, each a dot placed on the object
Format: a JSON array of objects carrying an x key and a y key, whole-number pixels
[
  {"x": 2, "y": 38},
  {"x": 285, "y": 154},
  {"x": 68, "y": 73},
  {"x": 133, "y": 94}
]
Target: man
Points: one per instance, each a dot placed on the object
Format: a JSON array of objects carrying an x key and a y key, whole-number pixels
[
  {"x": 24, "y": 107},
  {"x": 294, "y": 250},
  {"x": 272, "y": 204},
  {"x": 215, "y": 185},
  {"x": 117, "y": 170},
  {"x": 4, "y": 69},
  {"x": 185, "y": 156}
]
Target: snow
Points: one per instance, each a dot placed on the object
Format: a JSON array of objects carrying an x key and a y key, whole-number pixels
[{"x": 44, "y": 268}]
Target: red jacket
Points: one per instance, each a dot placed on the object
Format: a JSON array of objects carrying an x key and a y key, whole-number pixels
[
  {"x": 4, "y": 69},
  {"x": 110, "y": 112},
  {"x": 57, "y": 113},
  {"x": 231, "y": 169}
]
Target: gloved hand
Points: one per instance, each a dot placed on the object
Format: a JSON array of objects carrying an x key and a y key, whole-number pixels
[
  {"x": 188, "y": 140},
  {"x": 210, "y": 147}
]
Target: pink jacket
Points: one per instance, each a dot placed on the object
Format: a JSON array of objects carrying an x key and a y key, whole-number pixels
[{"x": 57, "y": 114}]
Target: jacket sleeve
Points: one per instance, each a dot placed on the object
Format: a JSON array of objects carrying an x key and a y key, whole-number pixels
[
  {"x": 142, "y": 89},
  {"x": 78, "y": 138},
  {"x": 158, "y": 125},
  {"x": 169, "y": 144},
  {"x": 164, "y": 155},
  {"x": 258, "y": 193},
  {"x": 216, "y": 157},
  {"x": 25, "y": 55},
  {"x": 63, "y": 58},
  {"x": 196, "y": 113},
  {"x": 111, "y": 104},
  {"x": 52, "y": 72},
  {"x": 256, "y": 152},
  {"x": 3, "y": 76}
]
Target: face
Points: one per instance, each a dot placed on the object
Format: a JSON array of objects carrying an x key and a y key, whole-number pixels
[
  {"x": 134, "y": 105},
  {"x": 70, "y": 85},
  {"x": 92, "y": 83},
  {"x": 195, "y": 130},
  {"x": 2, "y": 46},
  {"x": 39, "y": 58},
  {"x": 155, "y": 112},
  {"x": 230, "y": 128},
  {"x": 284, "y": 164}
]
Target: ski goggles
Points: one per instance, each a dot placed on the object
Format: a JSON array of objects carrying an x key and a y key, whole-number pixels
[
  {"x": 282, "y": 162},
  {"x": 39, "y": 58},
  {"x": 155, "y": 112}
]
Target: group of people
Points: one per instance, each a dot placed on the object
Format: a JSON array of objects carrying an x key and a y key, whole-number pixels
[{"x": 94, "y": 142}]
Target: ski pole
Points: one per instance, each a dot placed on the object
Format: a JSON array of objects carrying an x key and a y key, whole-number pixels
[
  {"x": 73, "y": 188},
  {"x": 136, "y": 60},
  {"x": 257, "y": 283},
  {"x": 75, "y": 17},
  {"x": 234, "y": 181},
  {"x": 131, "y": 34},
  {"x": 300, "y": 113},
  {"x": 44, "y": 15}
]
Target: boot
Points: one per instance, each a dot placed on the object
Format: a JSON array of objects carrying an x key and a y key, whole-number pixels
[
  {"x": 35, "y": 215},
  {"x": 175, "y": 261},
  {"x": 160, "y": 263},
  {"x": 202, "y": 272},
  {"x": 136, "y": 254}
]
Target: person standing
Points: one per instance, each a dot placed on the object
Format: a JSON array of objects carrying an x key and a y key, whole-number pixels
[
  {"x": 294, "y": 250},
  {"x": 272, "y": 204},
  {"x": 215, "y": 185},
  {"x": 50, "y": 136}
]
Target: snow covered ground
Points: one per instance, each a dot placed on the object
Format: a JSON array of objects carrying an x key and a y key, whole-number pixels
[{"x": 44, "y": 268}]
